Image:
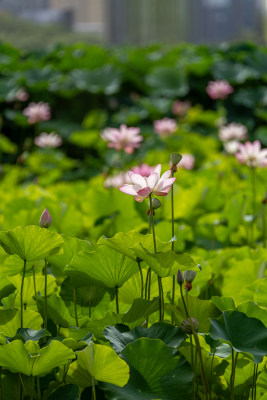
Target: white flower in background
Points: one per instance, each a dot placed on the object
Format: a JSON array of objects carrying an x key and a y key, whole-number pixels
[
  {"x": 37, "y": 112},
  {"x": 233, "y": 131},
  {"x": 48, "y": 140},
  {"x": 231, "y": 147},
  {"x": 252, "y": 155}
]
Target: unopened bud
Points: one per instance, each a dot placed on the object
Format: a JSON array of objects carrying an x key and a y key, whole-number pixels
[
  {"x": 187, "y": 325},
  {"x": 45, "y": 220},
  {"x": 180, "y": 278},
  {"x": 189, "y": 275},
  {"x": 175, "y": 158},
  {"x": 155, "y": 203}
]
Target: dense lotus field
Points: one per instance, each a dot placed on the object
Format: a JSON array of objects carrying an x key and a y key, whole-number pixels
[{"x": 133, "y": 223}]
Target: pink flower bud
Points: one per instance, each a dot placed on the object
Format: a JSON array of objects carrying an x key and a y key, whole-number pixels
[{"x": 45, "y": 220}]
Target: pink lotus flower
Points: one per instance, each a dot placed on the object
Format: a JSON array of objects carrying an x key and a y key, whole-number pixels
[
  {"x": 180, "y": 108},
  {"x": 187, "y": 161},
  {"x": 45, "y": 220},
  {"x": 219, "y": 89},
  {"x": 124, "y": 138},
  {"x": 252, "y": 155},
  {"x": 141, "y": 187},
  {"x": 143, "y": 170},
  {"x": 165, "y": 126},
  {"x": 21, "y": 95},
  {"x": 233, "y": 131},
  {"x": 37, "y": 112},
  {"x": 48, "y": 140}
]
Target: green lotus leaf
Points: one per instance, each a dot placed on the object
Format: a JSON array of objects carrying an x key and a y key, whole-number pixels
[
  {"x": 154, "y": 373},
  {"x": 202, "y": 310},
  {"x": 72, "y": 246},
  {"x": 251, "y": 309},
  {"x": 170, "y": 335},
  {"x": 17, "y": 358},
  {"x": 104, "y": 267},
  {"x": 243, "y": 375},
  {"x": 72, "y": 344},
  {"x": 166, "y": 263},
  {"x": 31, "y": 243},
  {"x": 78, "y": 376},
  {"x": 123, "y": 243},
  {"x": 104, "y": 365},
  {"x": 10, "y": 321},
  {"x": 26, "y": 334},
  {"x": 223, "y": 303},
  {"x": 66, "y": 392},
  {"x": 244, "y": 334}
]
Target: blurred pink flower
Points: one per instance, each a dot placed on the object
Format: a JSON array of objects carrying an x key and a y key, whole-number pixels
[
  {"x": 116, "y": 181},
  {"x": 165, "y": 126},
  {"x": 219, "y": 89},
  {"x": 233, "y": 131},
  {"x": 45, "y": 220},
  {"x": 180, "y": 108},
  {"x": 143, "y": 170},
  {"x": 141, "y": 187},
  {"x": 252, "y": 155},
  {"x": 37, "y": 112},
  {"x": 48, "y": 140},
  {"x": 21, "y": 95},
  {"x": 124, "y": 138},
  {"x": 187, "y": 161}
]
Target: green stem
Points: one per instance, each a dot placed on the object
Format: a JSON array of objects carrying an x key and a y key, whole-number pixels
[
  {"x": 160, "y": 299},
  {"x": 93, "y": 389},
  {"x": 21, "y": 294},
  {"x": 173, "y": 278},
  {"x": 182, "y": 296},
  {"x": 173, "y": 296},
  {"x": 75, "y": 306},
  {"x": 263, "y": 225},
  {"x": 152, "y": 223},
  {"x": 35, "y": 290},
  {"x": 117, "y": 299},
  {"x": 141, "y": 278},
  {"x": 45, "y": 296},
  {"x": 232, "y": 379},
  {"x": 253, "y": 190}
]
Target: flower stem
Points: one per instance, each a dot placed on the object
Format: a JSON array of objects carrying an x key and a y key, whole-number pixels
[
  {"x": 253, "y": 192},
  {"x": 182, "y": 296},
  {"x": 21, "y": 294},
  {"x": 93, "y": 389},
  {"x": 75, "y": 305},
  {"x": 232, "y": 379},
  {"x": 141, "y": 278},
  {"x": 173, "y": 278},
  {"x": 264, "y": 225},
  {"x": 152, "y": 223},
  {"x": 45, "y": 296},
  {"x": 35, "y": 291}
]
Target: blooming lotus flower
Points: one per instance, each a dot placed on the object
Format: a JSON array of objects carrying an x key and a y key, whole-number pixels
[
  {"x": 165, "y": 126},
  {"x": 219, "y": 89},
  {"x": 48, "y": 140},
  {"x": 252, "y": 155},
  {"x": 37, "y": 112},
  {"x": 45, "y": 220},
  {"x": 124, "y": 138},
  {"x": 233, "y": 131},
  {"x": 141, "y": 187},
  {"x": 187, "y": 161},
  {"x": 180, "y": 108},
  {"x": 143, "y": 170}
]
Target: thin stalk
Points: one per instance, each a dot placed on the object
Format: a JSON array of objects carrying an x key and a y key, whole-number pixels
[
  {"x": 253, "y": 191},
  {"x": 203, "y": 375},
  {"x": 45, "y": 296},
  {"x": 141, "y": 278},
  {"x": 212, "y": 361},
  {"x": 160, "y": 299},
  {"x": 152, "y": 223},
  {"x": 35, "y": 290},
  {"x": 117, "y": 299},
  {"x": 232, "y": 379},
  {"x": 254, "y": 387},
  {"x": 75, "y": 306},
  {"x": 182, "y": 296},
  {"x": 93, "y": 389},
  {"x": 173, "y": 278},
  {"x": 264, "y": 225},
  {"x": 173, "y": 296},
  {"x": 21, "y": 294},
  {"x": 39, "y": 388}
]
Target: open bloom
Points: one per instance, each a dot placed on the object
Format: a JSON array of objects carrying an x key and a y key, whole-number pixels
[
  {"x": 141, "y": 187},
  {"x": 252, "y": 155},
  {"x": 165, "y": 126},
  {"x": 219, "y": 89},
  {"x": 233, "y": 131},
  {"x": 48, "y": 140},
  {"x": 124, "y": 138},
  {"x": 143, "y": 170},
  {"x": 37, "y": 112}
]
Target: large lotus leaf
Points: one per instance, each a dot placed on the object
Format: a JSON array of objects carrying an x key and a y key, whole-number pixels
[
  {"x": 6, "y": 287},
  {"x": 136, "y": 315},
  {"x": 245, "y": 334},
  {"x": 221, "y": 349},
  {"x": 72, "y": 246},
  {"x": 26, "y": 334},
  {"x": 9, "y": 264},
  {"x": 170, "y": 335},
  {"x": 154, "y": 373},
  {"x": 78, "y": 376},
  {"x": 123, "y": 243},
  {"x": 66, "y": 392},
  {"x": 11, "y": 386},
  {"x": 202, "y": 310},
  {"x": 166, "y": 263},
  {"x": 31, "y": 243},
  {"x": 104, "y": 365},
  {"x": 251, "y": 309},
  {"x": 15, "y": 357},
  {"x": 132, "y": 288},
  {"x": 223, "y": 303},
  {"x": 254, "y": 292},
  {"x": 168, "y": 82},
  {"x": 243, "y": 375},
  {"x": 103, "y": 267},
  {"x": 10, "y": 321}
]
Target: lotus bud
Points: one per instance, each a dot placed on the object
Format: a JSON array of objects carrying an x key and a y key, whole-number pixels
[
  {"x": 186, "y": 325},
  {"x": 45, "y": 220},
  {"x": 180, "y": 278},
  {"x": 155, "y": 203},
  {"x": 189, "y": 275},
  {"x": 175, "y": 158}
]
